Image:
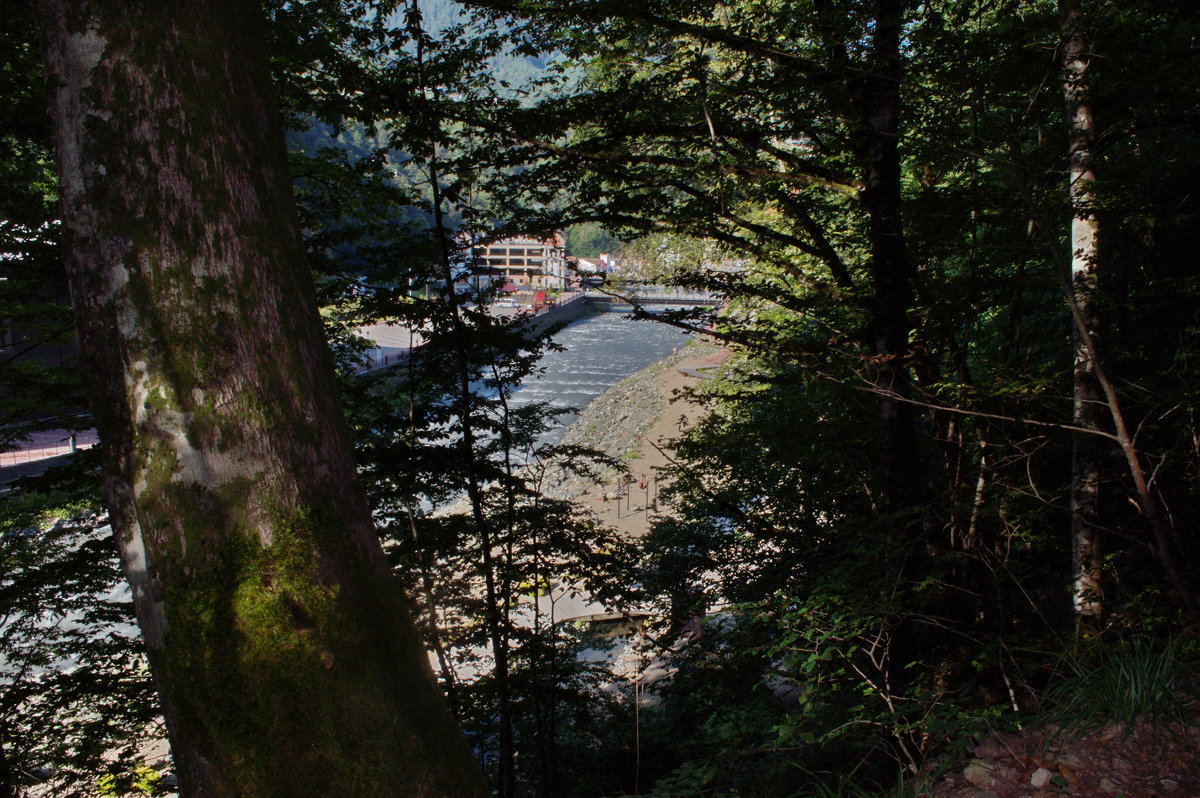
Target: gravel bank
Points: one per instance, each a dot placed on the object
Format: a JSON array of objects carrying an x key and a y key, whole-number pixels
[{"x": 616, "y": 422}]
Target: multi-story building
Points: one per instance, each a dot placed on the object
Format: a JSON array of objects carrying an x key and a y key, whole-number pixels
[{"x": 529, "y": 263}]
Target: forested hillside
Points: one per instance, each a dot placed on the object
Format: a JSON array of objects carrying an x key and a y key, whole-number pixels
[{"x": 944, "y": 484}]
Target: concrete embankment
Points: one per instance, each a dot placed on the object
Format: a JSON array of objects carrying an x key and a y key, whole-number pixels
[{"x": 569, "y": 311}]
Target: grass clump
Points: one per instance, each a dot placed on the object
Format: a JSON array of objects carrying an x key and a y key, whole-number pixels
[{"x": 1125, "y": 682}]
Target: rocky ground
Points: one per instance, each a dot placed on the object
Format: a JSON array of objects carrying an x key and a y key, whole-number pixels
[
  {"x": 1143, "y": 761},
  {"x": 636, "y": 417},
  {"x": 634, "y": 421}
]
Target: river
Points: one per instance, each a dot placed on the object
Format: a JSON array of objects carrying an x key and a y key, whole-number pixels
[{"x": 600, "y": 351}]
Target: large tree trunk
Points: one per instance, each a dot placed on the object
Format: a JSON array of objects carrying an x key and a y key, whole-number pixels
[
  {"x": 878, "y": 101},
  {"x": 875, "y": 93},
  {"x": 1089, "y": 407},
  {"x": 282, "y": 649}
]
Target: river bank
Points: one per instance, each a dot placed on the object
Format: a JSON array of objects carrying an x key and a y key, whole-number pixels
[{"x": 635, "y": 421}]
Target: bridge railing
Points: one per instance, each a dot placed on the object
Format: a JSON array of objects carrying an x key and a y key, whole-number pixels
[
  {"x": 656, "y": 295},
  {"x": 48, "y": 443}
]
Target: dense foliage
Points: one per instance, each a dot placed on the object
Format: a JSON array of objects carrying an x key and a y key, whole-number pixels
[{"x": 882, "y": 501}]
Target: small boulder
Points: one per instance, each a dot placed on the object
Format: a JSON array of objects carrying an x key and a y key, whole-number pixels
[
  {"x": 979, "y": 773},
  {"x": 989, "y": 749}
]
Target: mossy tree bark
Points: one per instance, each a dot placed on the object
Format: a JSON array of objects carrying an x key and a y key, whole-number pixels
[{"x": 282, "y": 649}]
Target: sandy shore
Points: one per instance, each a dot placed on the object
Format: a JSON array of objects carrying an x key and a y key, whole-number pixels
[
  {"x": 645, "y": 411},
  {"x": 635, "y": 422}
]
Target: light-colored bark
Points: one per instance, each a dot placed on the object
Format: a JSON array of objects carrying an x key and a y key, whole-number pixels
[
  {"x": 1088, "y": 401},
  {"x": 282, "y": 649}
]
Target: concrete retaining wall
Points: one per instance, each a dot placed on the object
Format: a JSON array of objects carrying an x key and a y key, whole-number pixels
[{"x": 576, "y": 308}]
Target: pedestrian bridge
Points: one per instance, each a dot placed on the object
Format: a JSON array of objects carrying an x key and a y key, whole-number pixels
[
  {"x": 653, "y": 295},
  {"x": 395, "y": 344}
]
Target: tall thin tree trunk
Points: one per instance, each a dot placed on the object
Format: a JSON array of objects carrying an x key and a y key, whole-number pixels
[
  {"x": 1088, "y": 405},
  {"x": 279, "y": 641},
  {"x": 497, "y": 619}
]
